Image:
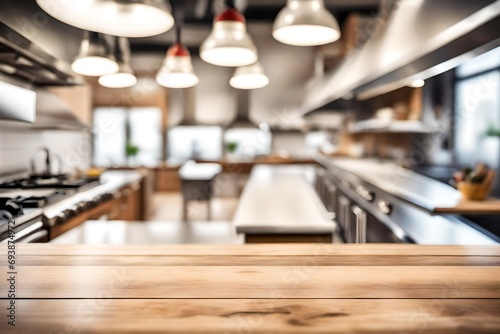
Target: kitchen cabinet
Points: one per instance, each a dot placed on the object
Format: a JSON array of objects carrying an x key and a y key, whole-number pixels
[
  {"x": 167, "y": 179},
  {"x": 123, "y": 204},
  {"x": 128, "y": 205}
]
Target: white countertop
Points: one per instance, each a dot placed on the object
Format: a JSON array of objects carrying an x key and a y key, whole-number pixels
[
  {"x": 281, "y": 199},
  {"x": 199, "y": 171}
]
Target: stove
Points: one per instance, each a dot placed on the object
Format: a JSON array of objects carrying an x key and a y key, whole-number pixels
[
  {"x": 21, "y": 209},
  {"x": 25, "y": 222},
  {"x": 46, "y": 201},
  {"x": 50, "y": 182},
  {"x": 34, "y": 198}
]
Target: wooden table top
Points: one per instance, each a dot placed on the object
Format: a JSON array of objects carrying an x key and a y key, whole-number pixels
[
  {"x": 296, "y": 288},
  {"x": 488, "y": 206}
]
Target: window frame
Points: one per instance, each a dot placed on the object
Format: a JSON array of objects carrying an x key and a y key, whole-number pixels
[
  {"x": 459, "y": 79},
  {"x": 127, "y": 128}
]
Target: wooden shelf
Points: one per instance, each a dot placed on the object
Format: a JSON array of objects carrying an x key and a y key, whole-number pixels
[
  {"x": 464, "y": 207},
  {"x": 391, "y": 126}
]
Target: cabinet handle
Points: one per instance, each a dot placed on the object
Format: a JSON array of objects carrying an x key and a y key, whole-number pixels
[
  {"x": 343, "y": 220},
  {"x": 360, "y": 236}
]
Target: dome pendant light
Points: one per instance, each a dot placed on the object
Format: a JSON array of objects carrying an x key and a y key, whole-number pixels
[
  {"x": 249, "y": 77},
  {"x": 129, "y": 18},
  {"x": 305, "y": 23},
  {"x": 95, "y": 58},
  {"x": 229, "y": 43},
  {"x": 125, "y": 76},
  {"x": 177, "y": 69}
]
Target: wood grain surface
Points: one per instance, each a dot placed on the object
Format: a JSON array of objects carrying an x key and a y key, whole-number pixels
[
  {"x": 295, "y": 288},
  {"x": 258, "y": 250},
  {"x": 237, "y": 316},
  {"x": 466, "y": 207}
]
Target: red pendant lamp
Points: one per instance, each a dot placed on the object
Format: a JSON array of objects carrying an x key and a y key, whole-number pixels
[{"x": 229, "y": 43}]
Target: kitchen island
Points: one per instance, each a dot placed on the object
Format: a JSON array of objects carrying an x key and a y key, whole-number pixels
[
  {"x": 279, "y": 204},
  {"x": 306, "y": 288}
]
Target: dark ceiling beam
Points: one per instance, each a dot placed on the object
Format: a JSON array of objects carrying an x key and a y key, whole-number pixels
[
  {"x": 159, "y": 48},
  {"x": 328, "y": 3},
  {"x": 199, "y": 15},
  {"x": 201, "y": 11}
]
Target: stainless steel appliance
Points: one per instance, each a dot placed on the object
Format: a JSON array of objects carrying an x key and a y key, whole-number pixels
[
  {"x": 26, "y": 224},
  {"x": 367, "y": 214},
  {"x": 55, "y": 194},
  {"x": 17, "y": 103},
  {"x": 60, "y": 181},
  {"x": 360, "y": 217},
  {"x": 24, "y": 60}
]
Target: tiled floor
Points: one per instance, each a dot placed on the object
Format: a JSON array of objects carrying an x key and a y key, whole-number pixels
[
  {"x": 168, "y": 206},
  {"x": 219, "y": 230}
]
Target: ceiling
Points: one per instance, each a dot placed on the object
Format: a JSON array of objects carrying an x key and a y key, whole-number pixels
[{"x": 199, "y": 15}]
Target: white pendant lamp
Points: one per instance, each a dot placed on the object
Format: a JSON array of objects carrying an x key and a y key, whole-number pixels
[
  {"x": 417, "y": 83},
  {"x": 177, "y": 70},
  {"x": 129, "y": 18},
  {"x": 229, "y": 43},
  {"x": 305, "y": 23},
  {"x": 249, "y": 77},
  {"x": 124, "y": 77},
  {"x": 95, "y": 58}
]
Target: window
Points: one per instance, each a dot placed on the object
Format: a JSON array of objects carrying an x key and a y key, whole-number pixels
[
  {"x": 249, "y": 142},
  {"x": 114, "y": 128},
  {"x": 300, "y": 144},
  {"x": 109, "y": 137},
  {"x": 195, "y": 142},
  {"x": 145, "y": 133},
  {"x": 477, "y": 110}
]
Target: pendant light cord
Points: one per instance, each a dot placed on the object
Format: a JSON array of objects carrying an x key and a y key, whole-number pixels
[
  {"x": 230, "y": 4},
  {"x": 179, "y": 12},
  {"x": 118, "y": 49}
]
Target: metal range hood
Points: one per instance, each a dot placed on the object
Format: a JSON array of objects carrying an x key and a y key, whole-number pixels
[
  {"x": 421, "y": 39},
  {"x": 52, "y": 113},
  {"x": 24, "y": 60},
  {"x": 183, "y": 104},
  {"x": 242, "y": 119}
]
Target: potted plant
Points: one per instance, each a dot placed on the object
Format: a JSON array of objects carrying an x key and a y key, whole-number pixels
[
  {"x": 231, "y": 148},
  {"x": 131, "y": 151},
  {"x": 474, "y": 184},
  {"x": 493, "y": 132}
]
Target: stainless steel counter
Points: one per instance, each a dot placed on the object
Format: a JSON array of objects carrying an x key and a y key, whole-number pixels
[
  {"x": 400, "y": 198},
  {"x": 415, "y": 188}
]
